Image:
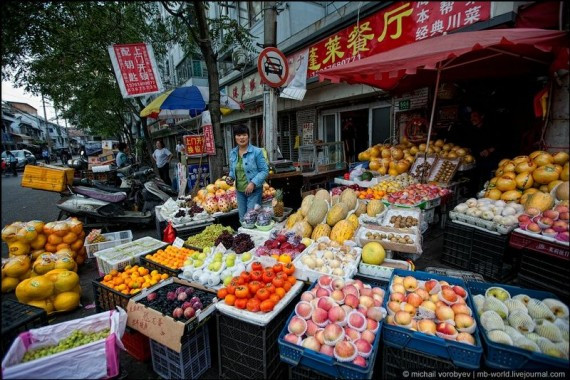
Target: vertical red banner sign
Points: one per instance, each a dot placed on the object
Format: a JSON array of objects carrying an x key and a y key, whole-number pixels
[
  {"x": 136, "y": 70},
  {"x": 209, "y": 146},
  {"x": 194, "y": 145}
]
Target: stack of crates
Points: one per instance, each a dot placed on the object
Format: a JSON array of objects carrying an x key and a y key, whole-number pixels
[
  {"x": 18, "y": 318},
  {"x": 190, "y": 363},
  {"x": 477, "y": 251}
]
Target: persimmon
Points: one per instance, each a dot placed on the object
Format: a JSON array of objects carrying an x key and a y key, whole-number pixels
[
  {"x": 241, "y": 303},
  {"x": 278, "y": 282},
  {"x": 253, "y": 304},
  {"x": 254, "y": 286},
  {"x": 287, "y": 285},
  {"x": 256, "y": 275},
  {"x": 280, "y": 292},
  {"x": 292, "y": 280},
  {"x": 242, "y": 291},
  {"x": 281, "y": 275},
  {"x": 256, "y": 266},
  {"x": 231, "y": 288},
  {"x": 268, "y": 276},
  {"x": 266, "y": 306},
  {"x": 262, "y": 294},
  {"x": 246, "y": 276},
  {"x": 277, "y": 267},
  {"x": 222, "y": 293},
  {"x": 275, "y": 298},
  {"x": 230, "y": 299},
  {"x": 289, "y": 268},
  {"x": 270, "y": 287}
]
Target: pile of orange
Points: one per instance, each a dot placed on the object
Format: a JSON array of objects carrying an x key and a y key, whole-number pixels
[
  {"x": 171, "y": 257},
  {"x": 132, "y": 279},
  {"x": 371, "y": 194},
  {"x": 261, "y": 289}
]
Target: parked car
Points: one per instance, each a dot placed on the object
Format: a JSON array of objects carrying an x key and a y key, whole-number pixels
[{"x": 24, "y": 157}]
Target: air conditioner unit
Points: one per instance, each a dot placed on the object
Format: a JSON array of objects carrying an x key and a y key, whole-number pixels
[{"x": 240, "y": 58}]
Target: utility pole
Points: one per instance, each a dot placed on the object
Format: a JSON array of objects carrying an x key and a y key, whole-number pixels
[
  {"x": 269, "y": 96},
  {"x": 47, "y": 124}
]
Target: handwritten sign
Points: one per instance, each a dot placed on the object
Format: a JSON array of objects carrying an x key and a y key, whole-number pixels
[
  {"x": 194, "y": 145},
  {"x": 178, "y": 243}
]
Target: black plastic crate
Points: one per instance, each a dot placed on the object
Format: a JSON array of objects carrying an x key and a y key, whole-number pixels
[
  {"x": 304, "y": 373},
  {"x": 374, "y": 282},
  {"x": 107, "y": 298},
  {"x": 464, "y": 275},
  {"x": 18, "y": 318},
  {"x": 151, "y": 265},
  {"x": 190, "y": 363},
  {"x": 396, "y": 362},
  {"x": 544, "y": 272},
  {"x": 249, "y": 351},
  {"x": 477, "y": 251}
]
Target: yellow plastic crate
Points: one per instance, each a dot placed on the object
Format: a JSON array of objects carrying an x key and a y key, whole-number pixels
[{"x": 50, "y": 178}]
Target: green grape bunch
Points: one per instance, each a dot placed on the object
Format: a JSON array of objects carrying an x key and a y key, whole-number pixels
[
  {"x": 207, "y": 237},
  {"x": 75, "y": 339}
]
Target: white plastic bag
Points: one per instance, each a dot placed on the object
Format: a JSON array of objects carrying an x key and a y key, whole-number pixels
[{"x": 95, "y": 360}]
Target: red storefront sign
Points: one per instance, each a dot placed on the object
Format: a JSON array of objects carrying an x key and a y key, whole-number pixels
[
  {"x": 194, "y": 145},
  {"x": 135, "y": 68},
  {"x": 209, "y": 147},
  {"x": 397, "y": 25}
]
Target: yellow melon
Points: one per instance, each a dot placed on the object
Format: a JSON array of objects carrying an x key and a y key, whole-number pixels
[
  {"x": 354, "y": 220},
  {"x": 342, "y": 231},
  {"x": 9, "y": 284},
  {"x": 494, "y": 194},
  {"x": 561, "y": 158}
]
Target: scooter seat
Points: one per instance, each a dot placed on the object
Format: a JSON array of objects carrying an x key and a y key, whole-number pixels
[
  {"x": 108, "y": 188},
  {"x": 100, "y": 194}
]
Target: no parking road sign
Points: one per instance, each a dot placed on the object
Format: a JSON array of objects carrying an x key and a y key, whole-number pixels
[{"x": 272, "y": 67}]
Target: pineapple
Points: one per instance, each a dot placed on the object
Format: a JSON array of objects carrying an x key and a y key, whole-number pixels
[{"x": 278, "y": 204}]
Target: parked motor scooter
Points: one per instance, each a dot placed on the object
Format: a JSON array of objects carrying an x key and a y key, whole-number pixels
[{"x": 103, "y": 205}]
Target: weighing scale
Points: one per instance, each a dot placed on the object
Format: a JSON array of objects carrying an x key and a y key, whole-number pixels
[{"x": 282, "y": 166}]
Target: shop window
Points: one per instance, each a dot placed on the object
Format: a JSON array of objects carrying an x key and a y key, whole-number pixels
[
  {"x": 380, "y": 125},
  {"x": 329, "y": 128}
]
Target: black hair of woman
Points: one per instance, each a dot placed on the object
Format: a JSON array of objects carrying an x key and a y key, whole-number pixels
[{"x": 241, "y": 130}]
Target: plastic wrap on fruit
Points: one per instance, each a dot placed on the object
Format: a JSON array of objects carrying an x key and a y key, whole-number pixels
[
  {"x": 275, "y": 251},
  {"x": 262, "y": 251},
  {"x": 294, "y": 239},
  {"x": 264, "y": 218},
  {"x": 250, "y": 217},
  {"x": 273, "y": 234}
]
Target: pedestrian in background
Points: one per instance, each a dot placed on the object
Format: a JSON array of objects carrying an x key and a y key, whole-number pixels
[
  {"x": 45, "y": 155},
  {"x": 162, "y": 157},
  {"x": 179, "y": 150},
  {"x": 12, "y": 162},
  {"x": 122, "y": 158}
]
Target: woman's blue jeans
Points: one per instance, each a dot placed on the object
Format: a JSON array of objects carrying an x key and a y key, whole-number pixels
[{"x": 248, "y": 202}]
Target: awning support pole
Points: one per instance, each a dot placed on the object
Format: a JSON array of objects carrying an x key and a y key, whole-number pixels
[{"x": 432, "y": 115}]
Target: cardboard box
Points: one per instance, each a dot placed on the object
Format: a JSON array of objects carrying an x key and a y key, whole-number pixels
[
  {"x": 163, "y": 328},
  {"x": 93, "y": 160},
  {"x": 109, "y": 144},
  {"x": 106, "y": 157},
  {"x": 47, "y": 177}
]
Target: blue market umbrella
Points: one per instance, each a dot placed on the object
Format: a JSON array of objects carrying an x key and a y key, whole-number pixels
[{"x": 188, "y": 101}]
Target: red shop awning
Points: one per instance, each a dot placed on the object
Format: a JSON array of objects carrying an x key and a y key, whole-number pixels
[{"x": 466, "y": 55}]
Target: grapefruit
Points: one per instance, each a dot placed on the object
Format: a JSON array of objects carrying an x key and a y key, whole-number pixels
[{"x": 373, "y": 253}]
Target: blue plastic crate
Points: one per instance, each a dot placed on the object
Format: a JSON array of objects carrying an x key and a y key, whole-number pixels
[
  {"x": 295, "y": 355},
  {"x": 502, "y": 356},
  {"x": 461, "y": 354}
]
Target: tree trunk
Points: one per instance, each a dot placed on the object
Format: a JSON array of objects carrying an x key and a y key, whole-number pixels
[
  {"x": 146, "y": 134},
  {"x": 205, "y": 43}
]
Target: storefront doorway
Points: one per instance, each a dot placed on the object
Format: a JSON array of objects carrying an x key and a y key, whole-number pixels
[{"x": 354, "y": 132}]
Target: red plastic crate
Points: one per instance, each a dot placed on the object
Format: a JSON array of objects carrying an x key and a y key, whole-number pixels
[
  {"x": 538, "y": 245},
  {"x": 136, "y": 344}
]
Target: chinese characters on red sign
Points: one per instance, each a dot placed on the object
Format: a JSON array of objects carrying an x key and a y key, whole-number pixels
[
  {"x": 194, "y": 145},
  {"x": 397, "y": 25},
  {"x": 135, "y": 68},
  {"x": 209, "y": 147}
]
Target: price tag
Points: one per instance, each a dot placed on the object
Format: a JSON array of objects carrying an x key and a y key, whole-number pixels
[{"x": 178, "y": 243}]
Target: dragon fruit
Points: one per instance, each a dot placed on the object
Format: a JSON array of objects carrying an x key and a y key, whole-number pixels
[
  {"x": 262, "y": 251},
  {"x": 224, "y": 204},
  {"x": 233, "y": 199},
  {"x": 211, "y": 205}
]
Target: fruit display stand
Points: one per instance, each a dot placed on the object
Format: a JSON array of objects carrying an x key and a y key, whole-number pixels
[
  {"x": 93, "y": 360},
  {"x": 182, "y": 230},
  {"x": 462, "y": 355},
  {"x": 502, "y": 356},
  {"x": 126, "y": 254},
  {"x": 112, "y": 239},
  {"x": 17, "y": 318},
  {"x": 250, "y": 350},
  {"x": 477, "y": 251}
]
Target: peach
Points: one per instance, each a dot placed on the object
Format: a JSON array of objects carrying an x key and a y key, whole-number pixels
[
  {"x": 363, "y": 346},
  {"x": 362, "y": 309},
  {"x": 465, "y": 338},
  {"x": 427, "y": 326},
  {"x": 325, "y": 303},
  {"x": 351, "y": 300},
  {"x": 359, "y": 284},
  {"x": 398, "y": 280},
  {"x": 523, "y": 218},
  {"x": 337, "y": 283},
  {"x": 347, "y": 309},
  {"x": 564, "y": 215},
  {"x": 463, "y": 321},
  {"x": 439, "y": 304},
  {"x": 333, "y": 333},
  {"x": 532, "y": 211},
  {"x": 432, "y": 285},
  {"x": 320, "y": 336},
  {"x": 369, "y": 336},
  {"x": 552, "y": 214},
  {"x": 461, "y": 308},
  {"x": 351, "y": 333},
  {"x": 322, "y": 292},
  {"x": 428, "y": 305},
  {"x": 307, "y": 296},
  {"x": 375, "y": 313},
  {"x": 443, "y": 283},
  {"x": 402, "y": 318},
  {"x": 560, "y": 226},
  {"x": 371, "y": 325},
  {"x": 292, "y": 338},
  {"x": 327, "y": 350},
  {"x": 545, "y": 222},
  {"x": 337, "y": 314},
  {"x": 533, "y": 227},
  {"x": 350, "y": 289},
  {"x": 397, "y": 297},
  {"x": 377, "y": 303},
  {"x": 459, "y": 291},
  {"x": 366, "y": 292},
  {"x": 320, "y": 316},
  {"x": 311, "y": 328},
  {"x": 366, "y": 301},
  {"x": 561, "y": 208},
  {"x": 338, "y": 296},
  {"x": 345, "y": 349},
  {"x": 390, "y": 320},
  {"x": 410, "y": 283},
  {"x": 297, "y": 326},
  {"x": 434, "y": 298},
  {"x": 460, "y": 301},
  {"x": 325, "y": 281},
  {"x": 378, "y": 291},
  {"x": 446, "y": 328},
  {"x": 304, "y": 309},
  {"x": 414, "y": 299},
  {"x": 444, "y": 313},
  {"x": 311, "y": 343}
]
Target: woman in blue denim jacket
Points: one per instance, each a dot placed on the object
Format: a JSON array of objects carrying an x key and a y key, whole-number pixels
[{"x": 248, "y": 169}]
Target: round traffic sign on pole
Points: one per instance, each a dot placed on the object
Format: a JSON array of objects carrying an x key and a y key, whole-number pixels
[{"x": 272, "y": 67}]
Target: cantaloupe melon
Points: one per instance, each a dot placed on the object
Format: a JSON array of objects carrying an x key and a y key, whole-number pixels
[
  {"x": 562, "y": 191},
  {"x": 323, "y": 194},
  {"x": 306, "y": 204},
  {"x": 337, "y": 213},
  {"x": 317, "y": 212}
]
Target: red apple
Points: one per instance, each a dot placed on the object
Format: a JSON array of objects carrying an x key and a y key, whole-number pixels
[
  {"x": 523, "y": 218},
  {"x": 446, "y": 328},
  {"x": 533, "y": 227}
]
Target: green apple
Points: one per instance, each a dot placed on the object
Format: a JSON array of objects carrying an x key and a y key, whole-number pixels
[
  {"x": 499, "y": 293},
  {"x": 198, "y": 263},
  {"x": 211, "y": 266},
  {"x": 216, "y": 266},
  {"x": 230, "y": 264},
  {"x": 246, "y": 256},
  {"x": 202, "y": 256},
  {"x": 206, "y": 250},
  {"x": 227, "y": 280},
  {"x": 218, "y": 255},
  {"x": 188, "y": 263},
  {"x": 195, "y": 255}
]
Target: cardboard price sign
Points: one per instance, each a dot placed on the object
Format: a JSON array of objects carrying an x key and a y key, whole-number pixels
[{"x": 194, "y": 145}]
